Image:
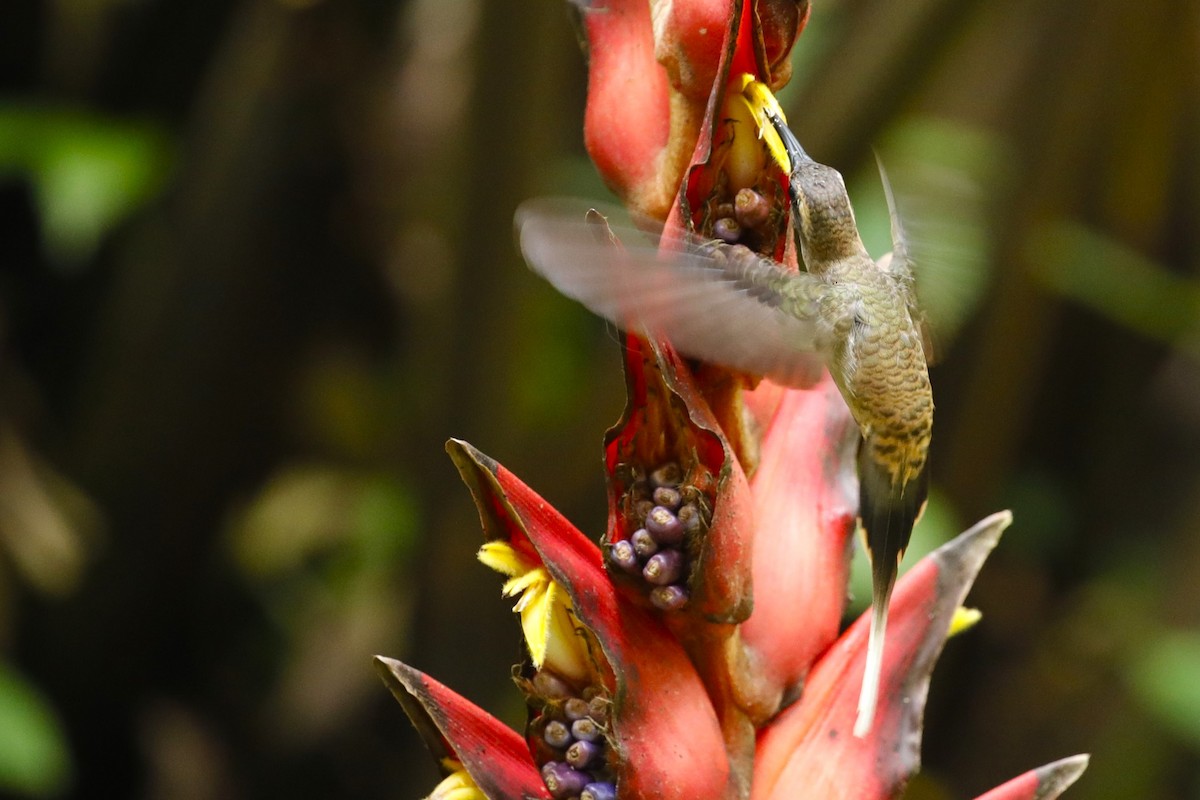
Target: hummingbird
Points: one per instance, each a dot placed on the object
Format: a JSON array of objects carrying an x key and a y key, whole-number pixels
[{"x": 727, "y": 305}]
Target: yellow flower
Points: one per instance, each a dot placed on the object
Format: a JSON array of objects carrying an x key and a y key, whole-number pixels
[
  {"x": 553, "y": 634},
  {"x": 760, "y": 101},
  {"x": 458, "y": 785},
  {"x": 963, "y": 620}
]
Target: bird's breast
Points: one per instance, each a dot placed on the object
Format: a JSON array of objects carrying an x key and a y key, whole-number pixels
[{"x": 892, "y": 398}]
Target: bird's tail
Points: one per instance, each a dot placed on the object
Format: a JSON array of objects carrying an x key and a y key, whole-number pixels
[
  {"x": 868, "y": 697},
  {"x": 888, "y": 510}
]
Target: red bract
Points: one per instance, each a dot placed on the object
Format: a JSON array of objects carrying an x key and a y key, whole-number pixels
[
  {"x": 743, "y": 53},
  {"x": 805, "y": 499},
  {"x": 811, "y": 745},
  {"x": 664, "y": 728},
  {"x": 691, "y": 40},
  {"x": 627, "y": 125},
  {"x": 651, "y": 86},
  {"x": 454, "y": 727},
  {"x": 666, "y": 419},
  {"x": 780, "y": 24}
]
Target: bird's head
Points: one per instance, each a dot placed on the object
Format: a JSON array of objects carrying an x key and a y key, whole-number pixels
[{"x": 827, "y": 231}]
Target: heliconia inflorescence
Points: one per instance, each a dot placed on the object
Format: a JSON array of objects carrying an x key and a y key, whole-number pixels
[{"x": 695, "y": 651}]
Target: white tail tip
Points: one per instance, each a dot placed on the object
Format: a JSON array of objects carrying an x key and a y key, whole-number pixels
[{"x": 869, "y": 695}]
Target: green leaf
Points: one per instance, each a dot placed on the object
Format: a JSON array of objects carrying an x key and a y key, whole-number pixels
[
  {"x": 306, "y": 513},
  {"x": 1164, "y": 679},
  {"x": 1098, "y": 271},
  {"x": 33, "y": 751},
  {"x": 89, "y": 171},
  {"x": 387, "y": 523}
]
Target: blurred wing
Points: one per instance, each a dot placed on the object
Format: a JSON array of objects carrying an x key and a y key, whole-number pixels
[
  {"x": 744, "y": 313},
  {"x": 942, "y": 235},
  {"x": 899, "y": 264},
  {"x": 936, "y": 255}
]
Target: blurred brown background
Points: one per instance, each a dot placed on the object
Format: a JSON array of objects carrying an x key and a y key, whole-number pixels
[{"x": 257, "y": 265}]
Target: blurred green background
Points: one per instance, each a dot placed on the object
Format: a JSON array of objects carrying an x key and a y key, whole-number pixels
[{"x": 257, "y": 265}]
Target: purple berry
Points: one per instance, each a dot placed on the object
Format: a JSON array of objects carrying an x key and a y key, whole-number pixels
[
  {"x": 582, "y": 753},
  {"x": 549, "y": 686},
  {"x": 598, "y": 708},
  {"x": 689, "y": 517},
  {"x": 624, "y": 556},
  {"x": 751, "y": 208},
  {"x": 663, "y": 568},
  {"x": 669, "y": 598},
  {"x": 575, "y": 708},
  {"x": 586, "y": 730},
  {"x": 642, "y": 507},
  {"x": 556, "y": 734},
  {"x": 643, "y": 543},
  {"x": 664, "y": 525},
  {"x": 727, "y": 230},
  {"x": 599, "y": 791},
  {"x": 563, "y": 780},
  {"x": 667, "y": 496}
]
